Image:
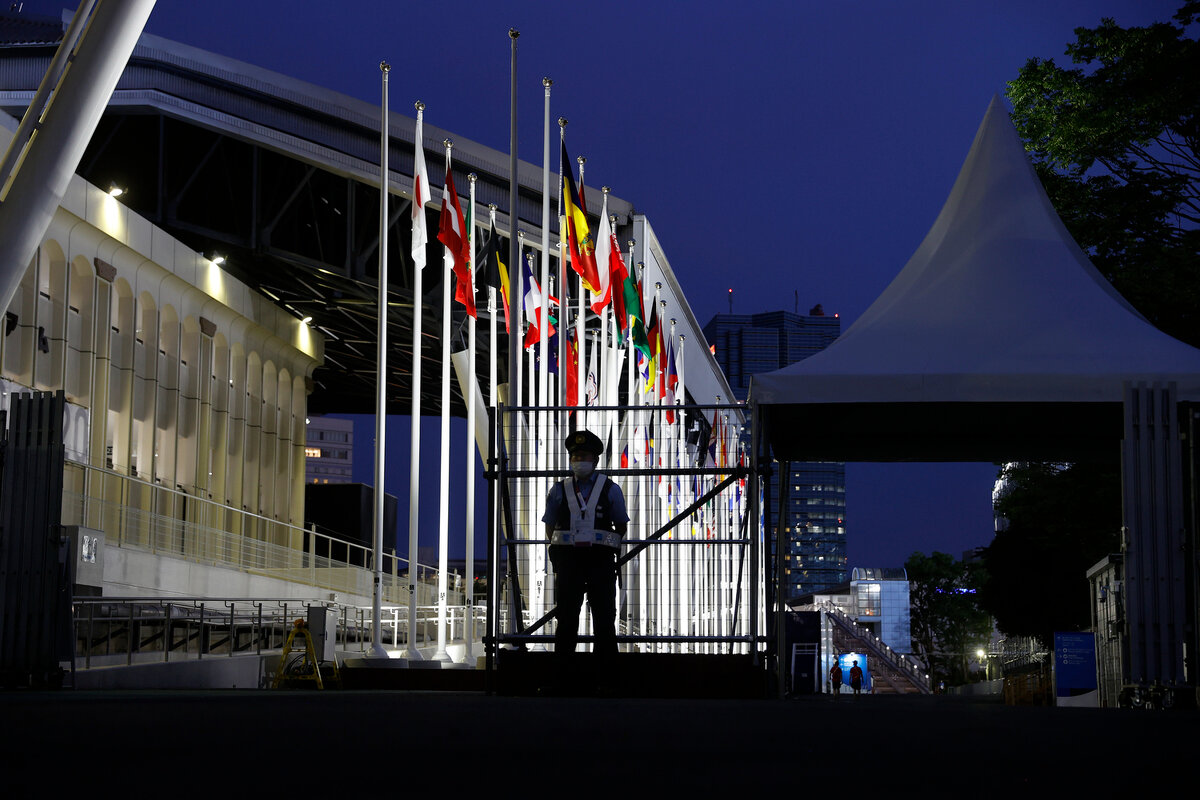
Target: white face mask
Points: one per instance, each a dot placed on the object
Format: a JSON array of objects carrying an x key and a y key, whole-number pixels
[{"x": 582, "y": 469}]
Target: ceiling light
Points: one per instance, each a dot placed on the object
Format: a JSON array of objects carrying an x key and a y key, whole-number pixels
[
  {"x": 306, "y": 320},
  {"x": 218, "y": 259},
  {"x": 115, "y": 191}
]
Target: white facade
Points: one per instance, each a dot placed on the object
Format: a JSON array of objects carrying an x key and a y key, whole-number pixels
[{"x": 186, "y": 393}]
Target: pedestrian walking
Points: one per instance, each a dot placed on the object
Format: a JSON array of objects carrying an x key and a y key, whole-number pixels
[{"x": 856, "y": 678}]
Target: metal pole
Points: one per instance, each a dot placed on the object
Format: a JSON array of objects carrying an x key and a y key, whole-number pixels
[
  {"x": 63, "y": 134},
  {"x": 516, "y": 276},
  {"x": 377, "y": 648}
]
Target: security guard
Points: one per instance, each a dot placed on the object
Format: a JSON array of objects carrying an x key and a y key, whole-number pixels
[{"x": 585, "y": 520}]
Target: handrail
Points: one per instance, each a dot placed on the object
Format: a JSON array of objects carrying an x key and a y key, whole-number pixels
[
  {"x": 899, "y": 661},
  {"x": 125, "y": 630},
  {"x": 205, "y": 531}
]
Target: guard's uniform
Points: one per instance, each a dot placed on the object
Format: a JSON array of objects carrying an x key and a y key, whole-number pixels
[{"x": 585, "y": 515}]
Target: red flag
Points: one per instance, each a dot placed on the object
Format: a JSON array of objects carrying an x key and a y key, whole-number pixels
[
  {"x": 672, "y": 381},
  {"x": 452, "y": 232},
  {"x": 573, "y": 368},
  {"x": 618, "y": 275}
]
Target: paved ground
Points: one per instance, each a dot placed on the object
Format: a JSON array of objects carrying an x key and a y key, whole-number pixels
[{"x": 241, "y": 743}]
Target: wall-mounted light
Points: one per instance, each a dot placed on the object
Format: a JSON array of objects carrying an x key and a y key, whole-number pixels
[
  {"x": 306, "y": 320},
  {"x": 218, "y": 259},
  {"x": 115, "y": 191}
]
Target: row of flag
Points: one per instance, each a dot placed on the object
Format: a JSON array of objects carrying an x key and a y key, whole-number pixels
[
  {"x": 601, "y": 268},
  {"x": 640, "y": 337}
]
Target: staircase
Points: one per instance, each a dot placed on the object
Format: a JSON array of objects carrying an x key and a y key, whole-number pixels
[{"x": 892, "y": 673}]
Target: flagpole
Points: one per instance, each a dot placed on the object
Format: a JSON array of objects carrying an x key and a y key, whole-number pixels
[
  {"x": 677, "y": 555},
  {"x": 581, "y": 318},
  {"x": 660, "y": 448},
  {"x": 444, "y": 471},
  {"x": 377, "y": 648},
  {"x": 419, "y": 241},
  {"x": 563, "y": 254},
  {"x": 543, "y": 346},
  {"x": 490, "y": 455},
  {"x": 544, "y": 422},
  {"x": 603, "y": 246},
  {"x": 493, "y": 312},
  {"x": 517, "y": 455},
  {"x": 516, "y": 283},
  {"x": 469, "y": 565}
]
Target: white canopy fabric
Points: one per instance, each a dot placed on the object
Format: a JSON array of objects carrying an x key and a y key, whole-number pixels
[{"x": 998, "y": 307}]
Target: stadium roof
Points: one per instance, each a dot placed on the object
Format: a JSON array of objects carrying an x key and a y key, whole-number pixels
[{"x": 282, "y": 178}]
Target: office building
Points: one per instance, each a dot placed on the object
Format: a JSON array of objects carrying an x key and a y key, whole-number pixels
[
  {"x": 329, "y": 450},
  {"x": 747, "y": 344}
]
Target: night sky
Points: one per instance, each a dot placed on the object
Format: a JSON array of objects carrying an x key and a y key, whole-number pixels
[{"x": 805, "y": 147}]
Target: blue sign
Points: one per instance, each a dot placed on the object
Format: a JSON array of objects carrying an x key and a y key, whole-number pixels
[
  {"x": 1075, "y": 669},
  {"x": 846, "y": 662}
]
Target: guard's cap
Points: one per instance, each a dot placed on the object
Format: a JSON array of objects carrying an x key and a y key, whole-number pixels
[{"x": 586, "y": 441}]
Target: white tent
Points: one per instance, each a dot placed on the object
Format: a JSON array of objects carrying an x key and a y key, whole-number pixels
[{"x": 998, "y": 339}]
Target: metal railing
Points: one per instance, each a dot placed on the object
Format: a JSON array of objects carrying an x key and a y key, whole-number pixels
[
  {"x": 145, "y": 516},
  {"x": 691, "y": 577},
  {"x": 134, "y": 630},
  {"x": 903, "y": 663}
]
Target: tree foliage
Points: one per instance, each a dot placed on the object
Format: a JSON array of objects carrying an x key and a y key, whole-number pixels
[
  {"x": 1115, "y": 139},
  {"x": 946, "y": 622},
  {"x": 1116, "y": 142},
  {"x": 1061, "y": 519}
]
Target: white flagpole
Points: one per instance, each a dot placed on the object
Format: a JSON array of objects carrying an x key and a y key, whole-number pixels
[
  {"x": 377, "y": 648},
  {"x": 469, "y": 565},
  {"x": 544, "y": 422},
  {"x": 581, "y": 324},
  {"x": 677, "y": 554},
  {"x": 516, "y": 300},
  {"x": 603, "y": 248},
  {"x": 544, "y": 344},
  {"x": 444, "y": 473},
  {"x": 631, "y": 415},
  {"x": 493, "y": 311},
  {"x": 420, "y": 238},
  {"x": 563, "y": 256}
]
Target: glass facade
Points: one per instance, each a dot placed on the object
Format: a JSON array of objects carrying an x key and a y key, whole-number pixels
[{"x": 746, "y": 344}]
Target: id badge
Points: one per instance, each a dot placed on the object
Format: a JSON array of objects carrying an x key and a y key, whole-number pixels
[{"x": 581, "y": 533}]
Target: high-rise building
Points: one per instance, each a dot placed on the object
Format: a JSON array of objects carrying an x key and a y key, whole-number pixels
[
  {"x": 329, "y": 450},
  {"x": 815, "y": 524}
]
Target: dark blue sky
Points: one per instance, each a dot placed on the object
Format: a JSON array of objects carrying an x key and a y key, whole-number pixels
[{"x": 804, "y": 146}]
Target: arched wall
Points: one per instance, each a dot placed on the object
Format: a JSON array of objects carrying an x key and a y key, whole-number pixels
[{"x": 174, "y": 387}]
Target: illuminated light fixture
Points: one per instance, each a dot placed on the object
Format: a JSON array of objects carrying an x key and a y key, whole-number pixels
[
  {"x": 306, "y": 320},
  {"x": 218, "y": 259},
  {"x": 115, "y": 191}
]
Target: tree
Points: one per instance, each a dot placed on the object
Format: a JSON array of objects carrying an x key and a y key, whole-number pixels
[
  {"x": 1061, "y": 519},
  {"x": 946, "y": 621},
  {"x": 1116, "y": 142}
]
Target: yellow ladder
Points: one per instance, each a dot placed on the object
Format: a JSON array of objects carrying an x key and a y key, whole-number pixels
[{"x": 313, "y": 671}]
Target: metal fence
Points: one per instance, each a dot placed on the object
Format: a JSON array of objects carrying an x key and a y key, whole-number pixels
[
  {"x": 690, "y": 564},
  {"x": 135, "y": 630},
  {"x": 144, "y": 516}
]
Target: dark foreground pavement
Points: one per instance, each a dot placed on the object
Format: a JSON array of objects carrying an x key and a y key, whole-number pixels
[{"x": 325, "y": 744}]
